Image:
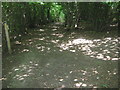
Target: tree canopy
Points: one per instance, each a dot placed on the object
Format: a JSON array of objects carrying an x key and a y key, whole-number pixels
[{"x": 20, "y": 16}]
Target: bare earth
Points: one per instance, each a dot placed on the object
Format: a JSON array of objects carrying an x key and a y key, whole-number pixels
[{"x": 51, "y": 57}]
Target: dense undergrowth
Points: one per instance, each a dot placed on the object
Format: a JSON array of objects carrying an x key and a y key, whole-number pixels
[{"x": 21, "y": 16}]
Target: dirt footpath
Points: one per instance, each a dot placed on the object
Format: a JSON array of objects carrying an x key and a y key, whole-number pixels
[{"x": 51, "y": 57}]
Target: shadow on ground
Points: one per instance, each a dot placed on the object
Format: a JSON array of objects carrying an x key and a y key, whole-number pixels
[{"x": 52, "y": 57}]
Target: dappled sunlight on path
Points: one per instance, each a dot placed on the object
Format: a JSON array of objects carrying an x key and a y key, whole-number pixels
[
  {"x": 52, "y": 57},
  {"x": 104, "y": 49}
]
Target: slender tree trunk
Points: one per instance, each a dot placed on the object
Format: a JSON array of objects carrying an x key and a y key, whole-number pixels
[{"x": 7, "y": 38}]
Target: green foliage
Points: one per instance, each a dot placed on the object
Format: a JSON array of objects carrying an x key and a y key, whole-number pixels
[
  {"x": 57, "y": 12},
  {"x": 23, "y": 15},
  {"x": 20, "y": 16},
  {"x": 98, "y": 14}
]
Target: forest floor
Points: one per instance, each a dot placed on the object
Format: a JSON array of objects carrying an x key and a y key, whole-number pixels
[{"x": 51, "y": 57}]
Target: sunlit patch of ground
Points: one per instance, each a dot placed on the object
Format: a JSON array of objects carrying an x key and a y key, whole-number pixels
[
  {"x": 47, "y": 57},
  {"x": 104, "y": 49}
]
